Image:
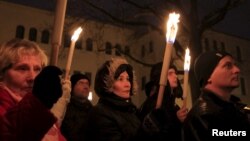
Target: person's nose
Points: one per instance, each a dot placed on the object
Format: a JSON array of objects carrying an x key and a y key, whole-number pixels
[
  {"x": 236, "y": 69},
  {"x": 32, "y": 75},
  {"x": 175, "y": 75},
  {"x": 127, "y": 84}
]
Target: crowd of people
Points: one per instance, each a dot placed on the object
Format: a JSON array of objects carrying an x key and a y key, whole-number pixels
[{"x": 38, "y": 104}]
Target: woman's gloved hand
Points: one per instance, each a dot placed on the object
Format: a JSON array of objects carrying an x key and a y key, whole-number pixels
[
  {"x": 66, "y": 87},
  {"x": 47, "y": 85}
]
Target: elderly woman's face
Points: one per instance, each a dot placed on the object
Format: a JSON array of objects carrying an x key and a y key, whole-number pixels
[
  {"x": 20, "y": 77},
  {"x": 122, "y": 86}
]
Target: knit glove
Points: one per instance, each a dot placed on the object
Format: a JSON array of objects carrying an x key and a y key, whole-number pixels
[
  {"x": 59, "y": 108},
  {"x": 47, "y": 86},
  {"x": 66, "y": 87}
]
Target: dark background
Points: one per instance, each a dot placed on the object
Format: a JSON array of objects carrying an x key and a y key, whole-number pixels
[{"x": 236, "y": 22}]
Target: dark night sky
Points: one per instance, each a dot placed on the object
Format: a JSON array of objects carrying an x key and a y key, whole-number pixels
[{"x": 236, "y": 22}]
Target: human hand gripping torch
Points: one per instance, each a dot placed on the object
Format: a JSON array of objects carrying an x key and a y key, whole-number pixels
[
  {"x": 170, "y": 38},
  {"x": 74, "y": 38},
  {"x": 186, "y": 75}
]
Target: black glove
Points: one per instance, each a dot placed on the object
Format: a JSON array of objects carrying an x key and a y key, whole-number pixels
[{"x": 47, "y": 86}]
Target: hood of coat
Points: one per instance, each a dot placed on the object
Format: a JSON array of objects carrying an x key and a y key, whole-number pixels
[{"x": 109, "y": 72}]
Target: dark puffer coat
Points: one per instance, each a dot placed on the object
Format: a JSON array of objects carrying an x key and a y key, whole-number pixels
[{"x": 113, "y": 119}]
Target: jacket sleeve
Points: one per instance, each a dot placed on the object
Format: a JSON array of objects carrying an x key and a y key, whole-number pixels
[{"x": 28, "y": 120}]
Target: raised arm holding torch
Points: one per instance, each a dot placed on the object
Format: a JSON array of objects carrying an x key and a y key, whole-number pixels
[
  {"x": 186, "y": 75},
  {"x": 74, "y": 38},
  {"x": 170, "y": 38}
]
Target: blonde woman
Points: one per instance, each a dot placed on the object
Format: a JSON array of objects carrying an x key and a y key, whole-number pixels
[{"x": 28, "y": 90}]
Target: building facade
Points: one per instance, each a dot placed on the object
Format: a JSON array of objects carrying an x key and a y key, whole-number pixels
[{"x": 99, "y": 42}]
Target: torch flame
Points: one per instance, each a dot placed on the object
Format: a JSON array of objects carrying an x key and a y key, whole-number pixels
[
  {"x": 172, "y": 27},
  {"x": 187, "y": 60},
  {"x": 76, "y": 34}
]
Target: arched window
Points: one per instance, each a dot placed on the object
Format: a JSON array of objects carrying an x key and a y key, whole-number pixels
[
  {"x": 20, "y": 32},
  {"x": 222, "y": 46},
  {"x": 151, "y": 47},
  {"x": 108, "y": 48},
  {"x": 89, "y": 44},
  {"x": 45, "y": 36},
  {"x": 32, "y": 34},
  {"x": 118, "y": 50},
  {"x": 127, "y": 50},
  {"x": 142, "y": 51}
]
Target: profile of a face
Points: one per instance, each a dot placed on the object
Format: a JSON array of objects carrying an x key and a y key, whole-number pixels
[
  {"x": 225, "y": 74},
  {"x": 172, "y": 78}
]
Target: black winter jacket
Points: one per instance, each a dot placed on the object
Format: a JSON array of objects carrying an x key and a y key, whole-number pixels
[
  {"x": 113, "y": 119},
  {"x": 211, "y": 117},
  {"x": 75, "y": 120},
  {"x": 165, "y": 118}
]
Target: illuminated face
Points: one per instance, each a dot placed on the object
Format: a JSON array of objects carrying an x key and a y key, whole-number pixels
[
  {"x": 172, "y": 78},
  {"x": 226, "y": 74},
  {"x": 122, "y": 86},
  {"x": 81, "y": 89},
  {"x": 20, "y": 77}
]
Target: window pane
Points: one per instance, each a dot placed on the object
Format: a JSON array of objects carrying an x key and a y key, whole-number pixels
[
  {"x": 127, "y": 50},
  {"x": 32, "y": 34},
  {"x": 108, "y": 48},
  {"x": 20, "y": 32},
  {"x": 45, "y": 37},
  {"x": 118, "y": 50},
  {"x": 142, "y": 51},
  {"x": 89, "y": 44}
]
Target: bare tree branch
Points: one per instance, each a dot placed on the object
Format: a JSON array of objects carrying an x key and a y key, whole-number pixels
[
  {"x": 216, "y": 16},
  {"x": 124, "y": 22}
]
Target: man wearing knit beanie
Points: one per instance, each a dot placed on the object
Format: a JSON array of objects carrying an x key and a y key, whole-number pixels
[
  {"x": 205, "y": 65},
  {"x": 76, "y": 77},
  {"x": 213, "y": 114},
  {"x": 75, "y": 120}
]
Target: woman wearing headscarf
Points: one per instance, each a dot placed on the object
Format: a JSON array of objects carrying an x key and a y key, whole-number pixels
[{"x": 114, "y": 117}]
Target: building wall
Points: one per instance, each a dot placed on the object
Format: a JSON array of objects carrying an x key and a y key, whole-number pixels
[{"x": 13, "y": 15}]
